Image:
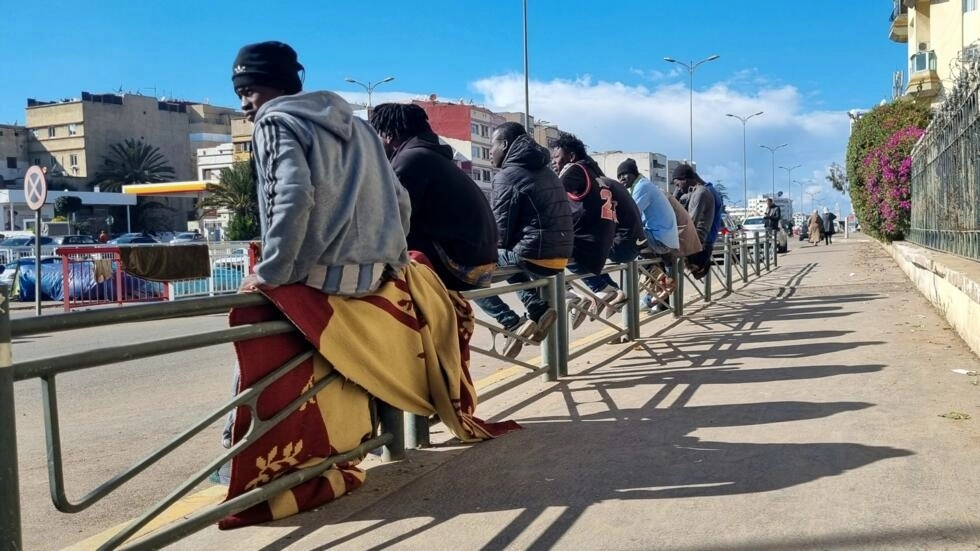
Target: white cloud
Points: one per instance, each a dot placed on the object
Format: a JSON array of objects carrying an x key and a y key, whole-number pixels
[{"x": 617, "y": 116}]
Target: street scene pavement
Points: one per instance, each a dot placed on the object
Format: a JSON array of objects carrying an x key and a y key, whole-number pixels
[{"x": 815, "y": 408}]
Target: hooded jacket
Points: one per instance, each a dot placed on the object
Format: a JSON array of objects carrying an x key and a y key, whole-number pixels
[
  {"x": 450, "y": 214},
  {"x": 593, "y": 215},
  {"x": 332, "y": 212},
  {"x": 529, "y": 203}
]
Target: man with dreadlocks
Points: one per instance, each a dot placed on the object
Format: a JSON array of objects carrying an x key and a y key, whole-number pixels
[{"x": 451, "y": 219}]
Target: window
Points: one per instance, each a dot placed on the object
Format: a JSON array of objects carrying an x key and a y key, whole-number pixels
[
  {"x": 970, "y": 5},
  {"x": 11, "y": 162},
  {"x": 53, "y": 162},
  {"x": 484, "y": 130},
  {"x": 72, "y": 129},
  {"x": 475, "y": 152},
  {"x": 37, "y": 161},
  {"x": 923, "y": 61},
  {"x": 34, "y": 132},
  {"x": 73, "y": 160},
  {"x": 476, "y": 174},
  {"x": 50, "y": 131},
  {"x": 486, "y": 175},
  {"x": 475, "y": 129}
]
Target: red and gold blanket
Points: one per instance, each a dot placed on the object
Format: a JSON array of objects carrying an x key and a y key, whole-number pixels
[{"x": 407, "y": 344}]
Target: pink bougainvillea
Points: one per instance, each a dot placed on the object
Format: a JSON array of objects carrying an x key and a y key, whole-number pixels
[{"x": 887, "y": 173}]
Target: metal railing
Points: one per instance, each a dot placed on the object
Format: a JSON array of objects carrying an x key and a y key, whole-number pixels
[
  {"x": 946, "y": 174},
  {"x": 735, "y": 259}
]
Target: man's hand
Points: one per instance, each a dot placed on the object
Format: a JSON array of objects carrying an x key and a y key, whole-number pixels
[{"x": 253, "y": 284}]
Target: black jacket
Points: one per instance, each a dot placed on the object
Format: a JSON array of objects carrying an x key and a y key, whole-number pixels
[
  {"x": 773, "y": 215},
  {"x": 533, "y": 216},
  {"x": 448, "y": 208},
  {"x": 629, "y": 221},
  {"x": 593, "y": 214}
]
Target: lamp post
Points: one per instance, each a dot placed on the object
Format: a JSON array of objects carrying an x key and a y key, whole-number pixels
[
  {"x": 527, "y": 88},
  {"x": 690, "y": 70},
  {"x": 369, "y": 87},
  {"x": 801, "y": 193},
  {"x": 773, "y": 151},
  {"x": 745, "y": 185},
  {"x": 789, "y": 176}
]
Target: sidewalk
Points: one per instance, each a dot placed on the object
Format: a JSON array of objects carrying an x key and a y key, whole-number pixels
[{"x": 814, "y": 409}]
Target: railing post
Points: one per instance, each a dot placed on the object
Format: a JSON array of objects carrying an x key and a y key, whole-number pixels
[
  {"x": 728, "y": 263},
  {"x": 550, "y": 354},
  {"x": 743, "y": 260},
  {"x": 416, "y": 431},
  {"x": 758, "y": 260},
  {"x": 392, "y": 420},
  {"x": 10, "y": 535},
  {"x": 679, "y": 277},
  {"x": 775, "y": 251},
  {"x": 707, "y": 275},
  {"x": 632, "y": 300},
  {"x": 768, "y": 250}
]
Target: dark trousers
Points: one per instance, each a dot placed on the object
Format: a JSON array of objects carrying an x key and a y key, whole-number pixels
[{"x": 536, "y": 306}]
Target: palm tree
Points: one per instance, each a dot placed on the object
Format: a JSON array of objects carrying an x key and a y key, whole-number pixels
[
  {"x": 132, "y": 162},
  {"x": 236, "y": 192}
]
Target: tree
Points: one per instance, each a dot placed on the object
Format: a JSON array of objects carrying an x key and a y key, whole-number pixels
[
  {"x": 837, "y": 177},
  {"x": 236, "y": 191},
  {"x": 132, "y": 162},
  {"x": 67, "y": 206}
]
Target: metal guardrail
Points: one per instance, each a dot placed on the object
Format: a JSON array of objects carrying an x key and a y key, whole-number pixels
[
  {"x": 946, "y": 173},
  {"x": 735, "y": 258}
]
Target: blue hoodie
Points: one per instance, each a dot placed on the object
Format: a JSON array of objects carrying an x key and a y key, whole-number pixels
[{"x": 332, "y": 211}]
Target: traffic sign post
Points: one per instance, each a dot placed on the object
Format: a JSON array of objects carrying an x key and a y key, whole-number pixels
[{"x": 35, "y": 194}]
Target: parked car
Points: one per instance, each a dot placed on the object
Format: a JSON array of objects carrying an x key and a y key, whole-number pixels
[
  {"x": 132, "y": 239},
  {"x": 75, "y": 240},
  {"x": 236, "y": 259},
  {"x": 188, "y": 237},
  {"x": 754, "y": 224},
  {"x": 25, "y": 241}
]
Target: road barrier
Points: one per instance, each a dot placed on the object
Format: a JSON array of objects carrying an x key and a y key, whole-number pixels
[{"x": 398, "y": 431}]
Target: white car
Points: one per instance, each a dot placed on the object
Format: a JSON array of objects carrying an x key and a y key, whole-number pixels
[
  {"x": 758, "y": 224},
  {"x": 235, "y": 259}
]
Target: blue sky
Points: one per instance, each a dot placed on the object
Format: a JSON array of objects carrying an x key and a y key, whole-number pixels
[{"x": 597, "y": 69}]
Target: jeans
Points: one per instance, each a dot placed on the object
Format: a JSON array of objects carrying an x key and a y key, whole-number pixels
[
  {"x": 624, "y": 251},
  {"x": 536, "y": 306}
]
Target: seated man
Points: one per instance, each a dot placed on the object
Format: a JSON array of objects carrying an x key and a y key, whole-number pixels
[
  {"x": 700, "y": 203},
  {"x": 452, "y": 223},
  {"x": 534, "y": 229}
]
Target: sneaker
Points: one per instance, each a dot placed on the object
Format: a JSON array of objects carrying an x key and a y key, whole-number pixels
[
  {"x": 513, "y": 345},
  {"x": 578, "y": 310},
  {"x": 612, "y": 300},
  {"x": 544, "y": 324}
]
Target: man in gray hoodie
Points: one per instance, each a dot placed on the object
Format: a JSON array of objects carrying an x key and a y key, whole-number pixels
[{"x": 332, "y": 212}]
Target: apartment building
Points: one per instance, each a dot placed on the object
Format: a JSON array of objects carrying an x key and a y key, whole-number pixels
[
  {"x": 72, "y": 136},
  {"x": 13, "y": 154},
  {"x": 941, "y": 35},
  {"x": 543, "y": 132},
  {"x": 467, "y": 129},
  {"x": 241, "y": 138}
]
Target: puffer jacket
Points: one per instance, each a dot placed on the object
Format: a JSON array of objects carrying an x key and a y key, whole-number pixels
[{"x": 533, "y": 216}]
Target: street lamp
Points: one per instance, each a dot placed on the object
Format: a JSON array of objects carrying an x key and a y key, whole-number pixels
[
  {"x": 690, "y": 69},
  {"x": 773, "y": 151},
  {"x": 527, "y": 88},
  {"x": 745, "y": 178},
  {"x": 789, "y": 176},
  {"x": 801, "y": 193},
  {"x": 369, "y": 88}
]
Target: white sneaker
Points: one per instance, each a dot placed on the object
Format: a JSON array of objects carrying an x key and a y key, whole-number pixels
[
  {"x": 578, "y": 310},
  {"x": 610, "y": 301},
  {"x": 513, "y": 345}
]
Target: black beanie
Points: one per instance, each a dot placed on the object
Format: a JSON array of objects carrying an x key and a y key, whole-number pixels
[
  {"x": 270, "y": 64},
  {"x": 684, "y": 172},
  {"x": 627, "y": 167}
]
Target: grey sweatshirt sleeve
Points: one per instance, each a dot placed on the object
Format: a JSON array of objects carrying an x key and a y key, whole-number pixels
[
  {"x": 702, "y": 209},
  {"x": 286, "y": 193}
]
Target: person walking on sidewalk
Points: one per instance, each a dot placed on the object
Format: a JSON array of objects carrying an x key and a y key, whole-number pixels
[
  {"x": 829, "y": 226},
  {"x": 452, "y": 223},
  {"x": 534, "y": 230},
  {"x": 815, "y": 227},
  {"x": 772, "y": 217}
]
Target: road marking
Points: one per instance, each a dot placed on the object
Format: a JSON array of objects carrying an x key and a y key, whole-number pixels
[{"x": 183, "y": 508}]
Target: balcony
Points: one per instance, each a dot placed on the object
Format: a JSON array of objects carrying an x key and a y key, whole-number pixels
[
  {"x": 924, "y": 82},
  {"x": 899, "y": 31}
]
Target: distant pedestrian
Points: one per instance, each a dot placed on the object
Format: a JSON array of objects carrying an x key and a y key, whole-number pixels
[
  {"x": 815, "y": 227},
  {"x": 829, "y": 226},
  {"x": 103, "y": 236},
  {"x": 772, "y": 217}
]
